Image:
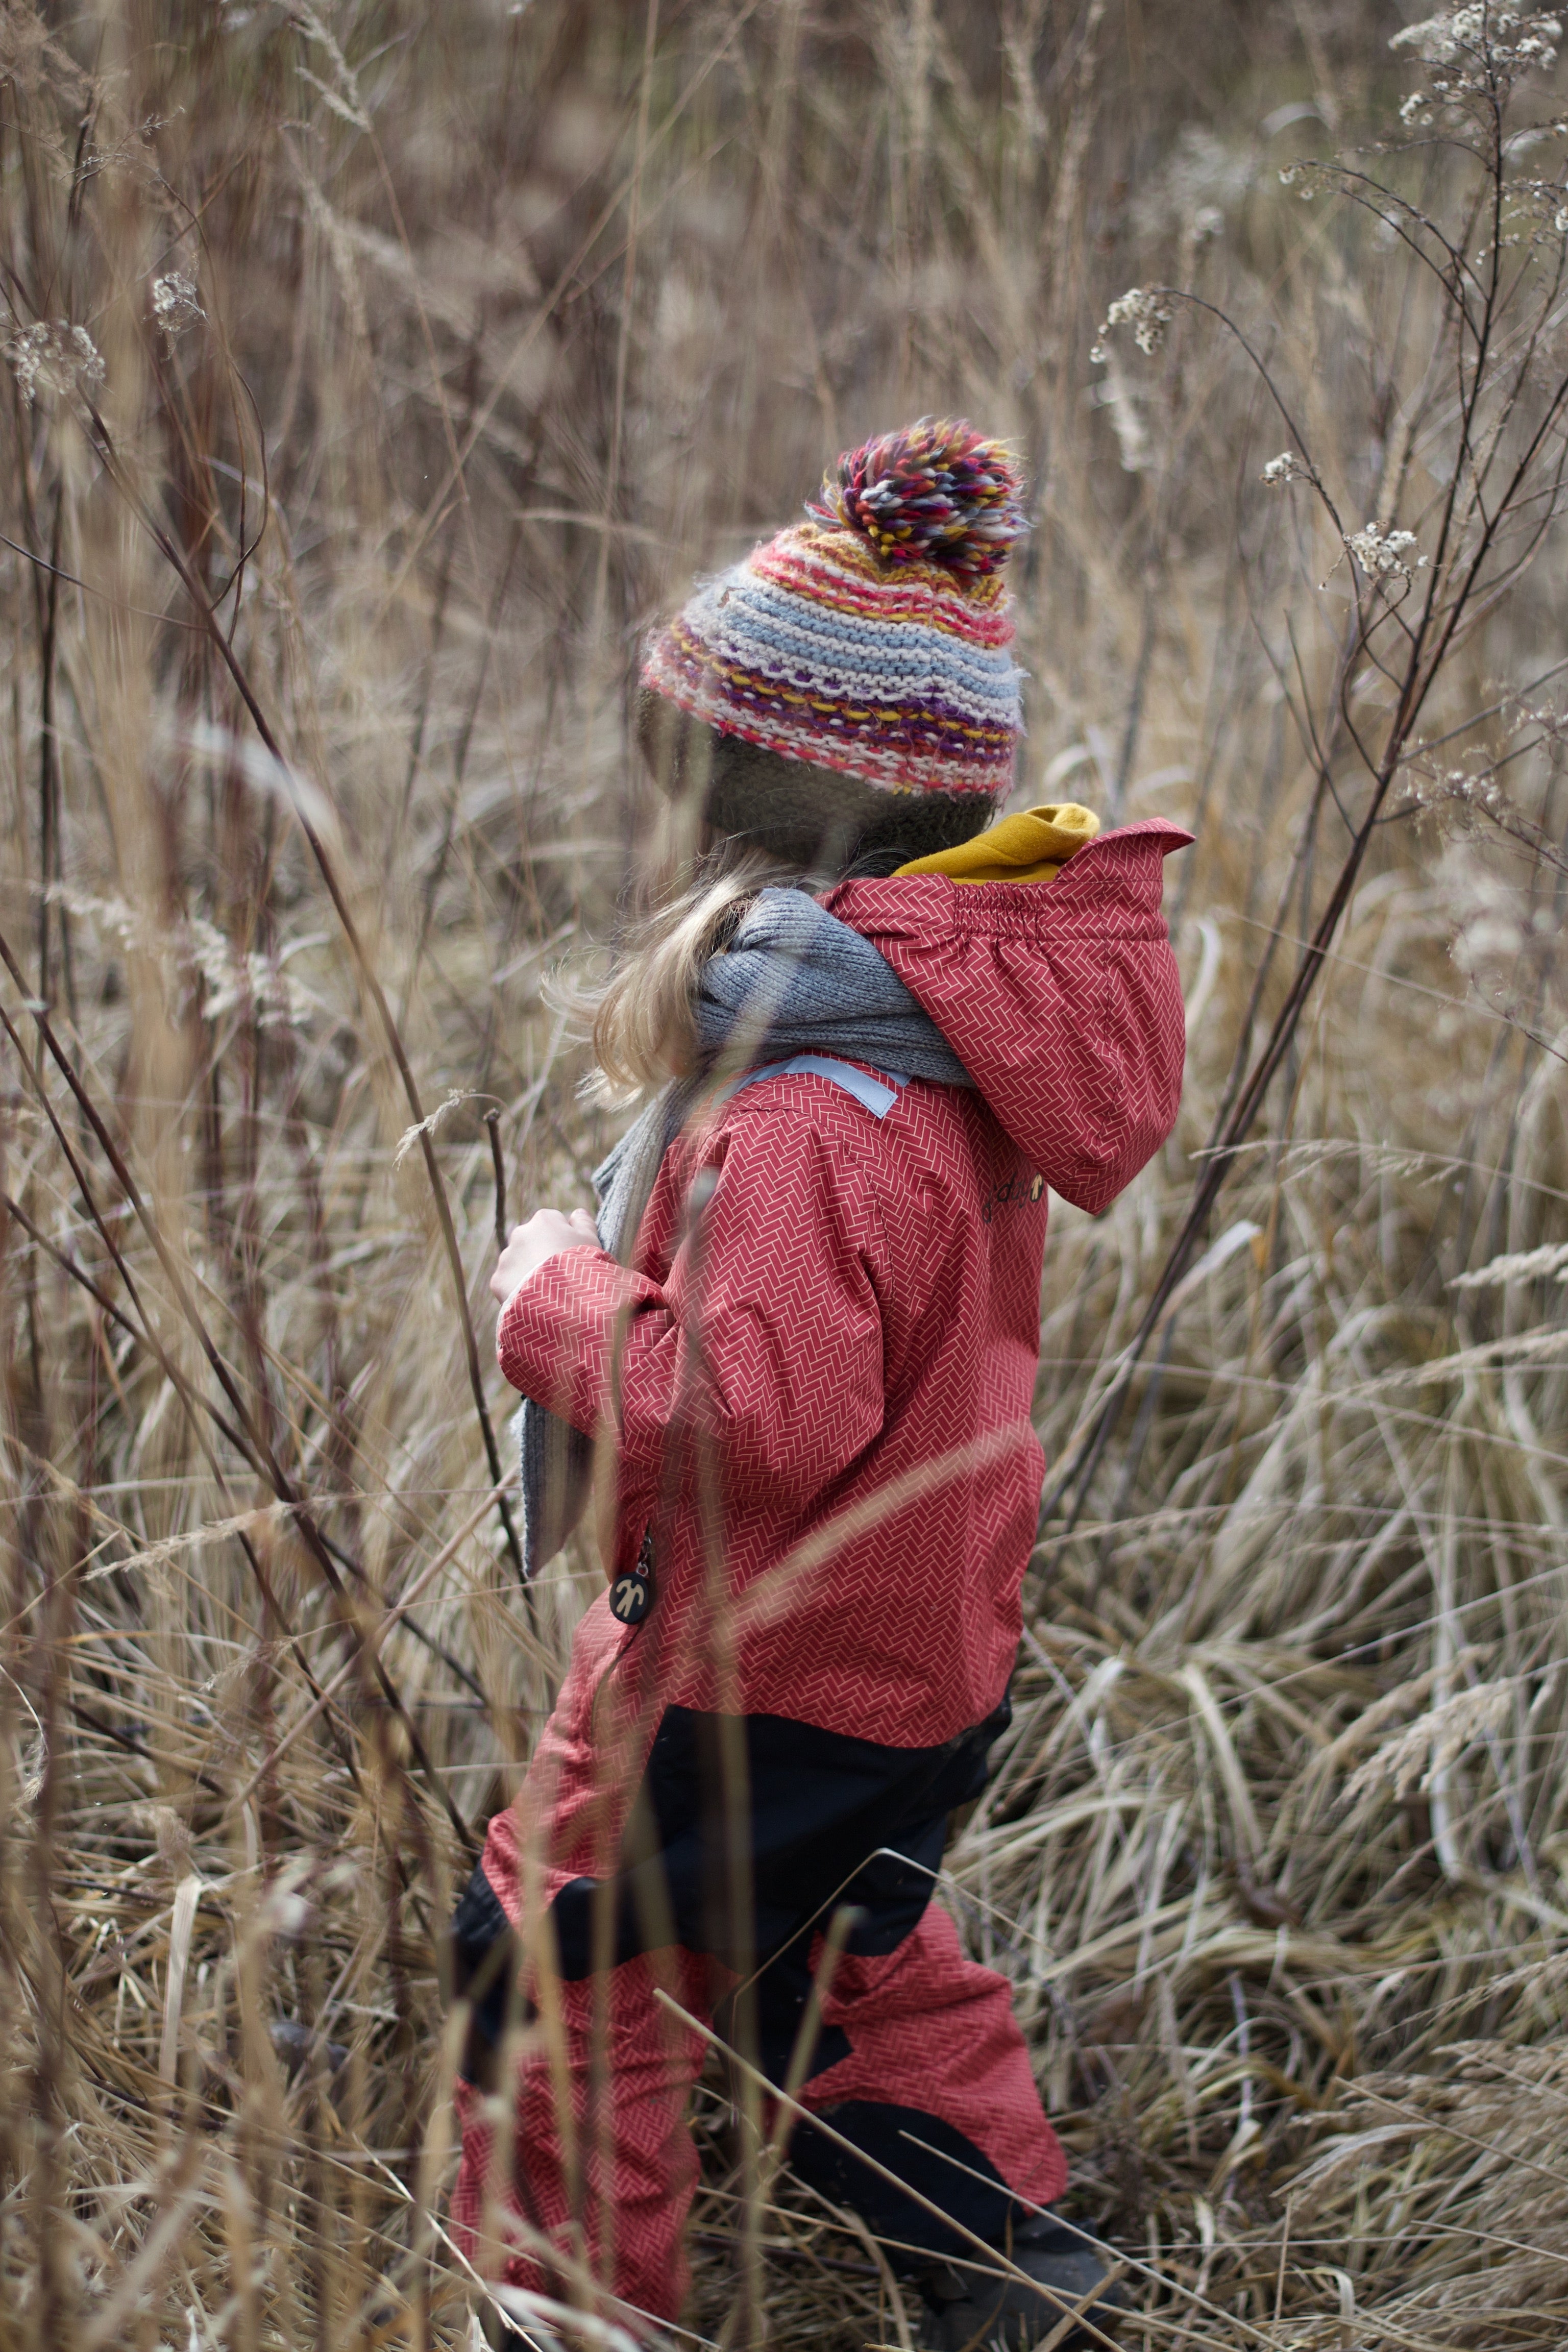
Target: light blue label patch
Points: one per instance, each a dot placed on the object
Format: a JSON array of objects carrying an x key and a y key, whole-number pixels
[{"x": 876, "y": 1095}]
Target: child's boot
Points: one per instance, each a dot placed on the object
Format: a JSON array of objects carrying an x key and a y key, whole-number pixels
[{"x": 972, "y": 2312}]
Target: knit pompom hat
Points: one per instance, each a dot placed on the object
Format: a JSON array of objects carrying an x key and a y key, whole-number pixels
[{"x": 873, "y": 637}]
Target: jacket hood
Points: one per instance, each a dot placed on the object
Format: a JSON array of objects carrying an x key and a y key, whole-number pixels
[{"x": 1061, "y": 999}]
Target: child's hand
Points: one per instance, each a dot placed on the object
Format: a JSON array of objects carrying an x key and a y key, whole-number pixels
[{"x": 546, "y": 1234}]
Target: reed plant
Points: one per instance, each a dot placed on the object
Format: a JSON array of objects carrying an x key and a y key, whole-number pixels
[{"x": 376, "y": 375}]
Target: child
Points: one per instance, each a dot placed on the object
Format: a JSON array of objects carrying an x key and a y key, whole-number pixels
[{"x": 805, "y": 1333}]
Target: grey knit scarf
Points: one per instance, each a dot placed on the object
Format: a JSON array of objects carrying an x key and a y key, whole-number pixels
[{"x": 793, "y": 980}]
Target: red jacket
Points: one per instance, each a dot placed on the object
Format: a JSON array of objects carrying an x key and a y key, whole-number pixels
[{"x": 821, "y": 1380}]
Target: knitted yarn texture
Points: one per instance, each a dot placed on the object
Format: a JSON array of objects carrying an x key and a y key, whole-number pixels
[{"x": 873, "y": 638}]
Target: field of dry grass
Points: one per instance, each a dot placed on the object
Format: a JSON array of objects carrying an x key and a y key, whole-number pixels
[{"x": 377, "y": 374}]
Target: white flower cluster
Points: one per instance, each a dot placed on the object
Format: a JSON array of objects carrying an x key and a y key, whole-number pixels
[
  {"x": 1539, "y": 203},
  {"x": 1147, "y": 309},
  {"x": 1383, "y": 554},
  {"x": 53, "y": 356},
  {"x": 175, "y": 304},
  {"x": 1287, "y": 467},
  {"x": 1464, "y": 788},
  {"x": 1478, "y": 51}
]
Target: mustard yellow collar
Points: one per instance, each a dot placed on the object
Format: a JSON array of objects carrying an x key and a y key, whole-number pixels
[{"x": 1030, "y": 846}]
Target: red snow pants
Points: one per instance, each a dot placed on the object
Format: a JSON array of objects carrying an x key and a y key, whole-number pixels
[{"x": 583, "y": 2149}]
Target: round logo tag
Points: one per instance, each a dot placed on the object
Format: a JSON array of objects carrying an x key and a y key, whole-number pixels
[{"x": 631, "y": 1597}]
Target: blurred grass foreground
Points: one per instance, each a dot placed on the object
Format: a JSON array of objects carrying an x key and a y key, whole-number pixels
[{"x": 376, "y": 375}]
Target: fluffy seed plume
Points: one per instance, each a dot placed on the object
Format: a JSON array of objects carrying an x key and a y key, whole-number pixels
[
  {"x": 53, "y": 356},
  {"x": 1286, "y": 468},
  {"x": 175, "y": 303}
]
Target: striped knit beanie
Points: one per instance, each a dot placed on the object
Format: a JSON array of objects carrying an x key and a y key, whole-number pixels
[{"x": 872, "y": 638}]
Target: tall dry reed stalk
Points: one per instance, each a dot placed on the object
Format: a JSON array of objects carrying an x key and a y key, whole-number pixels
[{"x": 376, "y": 373}]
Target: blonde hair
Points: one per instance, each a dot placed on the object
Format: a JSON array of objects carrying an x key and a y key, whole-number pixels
[{"x": 645, "y": 1016}]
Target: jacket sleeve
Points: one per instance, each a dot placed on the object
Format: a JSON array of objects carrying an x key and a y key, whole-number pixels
[{"x": 763, "y": 1346}]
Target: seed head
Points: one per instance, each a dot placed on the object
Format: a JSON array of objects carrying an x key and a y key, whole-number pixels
[
  {"x": 1478, "y": 51},
  {"x": 1147, "y": 309},
  {"x": 175, "y": 305},
  {"x": 53, "y": 356},
  {"x": 1383, "y": 554},
  {"x": 1287, "y": 467}
]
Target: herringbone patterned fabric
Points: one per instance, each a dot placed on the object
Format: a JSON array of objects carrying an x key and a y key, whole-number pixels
[
  {"x": 933, "y": 2032},
  {"x": 1062, "y": 1000},
  {"x": 634, "y": 2155},
  {"x": 819, "y": 1374},
  {"x": 821, "y": 1385}
]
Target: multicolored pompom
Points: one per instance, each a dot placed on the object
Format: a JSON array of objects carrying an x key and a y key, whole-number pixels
[
  {"x": 937, "y": 492},
  {"x": 874, "y": 638}
]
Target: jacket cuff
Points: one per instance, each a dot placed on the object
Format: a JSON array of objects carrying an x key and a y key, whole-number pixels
[{"x": 558, "y": 1336}]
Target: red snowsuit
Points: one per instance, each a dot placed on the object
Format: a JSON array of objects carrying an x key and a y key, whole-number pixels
[{"x": 819, "y": 1372}]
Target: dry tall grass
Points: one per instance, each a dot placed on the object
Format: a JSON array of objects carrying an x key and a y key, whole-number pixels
[{"x": 427, "y": 352}]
